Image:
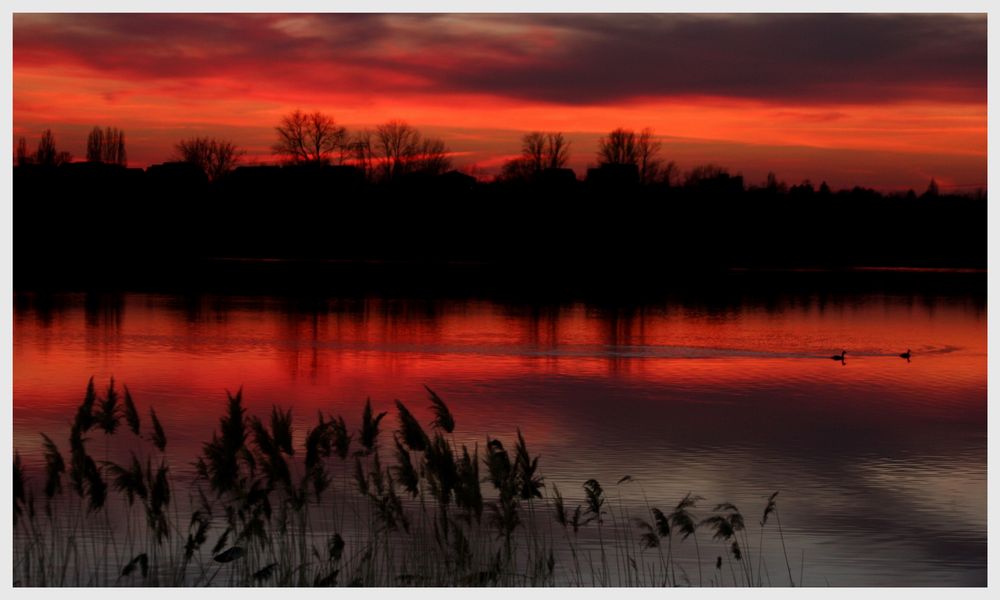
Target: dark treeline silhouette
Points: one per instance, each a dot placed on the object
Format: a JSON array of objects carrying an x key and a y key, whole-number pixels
[
  {"x": 45, "y": 155},
  {"x": 391, "y": 195},
  {"x": 107, "y": 145}
]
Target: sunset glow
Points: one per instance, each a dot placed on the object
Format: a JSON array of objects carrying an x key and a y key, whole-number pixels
[{"x": 881, "y": 101}]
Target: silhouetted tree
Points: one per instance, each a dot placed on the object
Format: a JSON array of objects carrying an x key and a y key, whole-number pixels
[
  {"x": 362, "y": 153},
  {"x": 399, "y": 149},
  {"x": 46, "y": 153},
  {"x": 803, "y": 190},
  {"x": 648, "y": 150},
  {"x": 107, "y": 146},
  {"x": 309, "y": 138},
  {"x": 432, "y": 157},
  {"x": 516, "y": 169},
  {"x": 774, "y": 186},
  {"x": 544, "y": 150},
  {"x": 704, "y": 172},
  {"x": 624, "y": 147},
  {"x": 711, "y": 176},
  {"x": 395, "y": 141},
  {"x": 670, "y": 174},
  {"x": 533, "y": 150},
  {"x": 539, "y": 151},
  {"x": 618, "y": 148},
  {"x": 556, "y": 150},
  {"x": 21, "y": 156},
  {"x": 932, "y": 189},
  {"x": 214, "y": 157},
  {"x": 95, "y": 145}
]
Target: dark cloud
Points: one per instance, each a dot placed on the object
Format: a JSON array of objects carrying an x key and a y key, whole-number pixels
[
  {"x": 572, "y": 59},
  {"x": 836, "y": 58}
]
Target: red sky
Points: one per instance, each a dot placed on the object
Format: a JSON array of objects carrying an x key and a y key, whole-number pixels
[{"x": 886, "y": 101}]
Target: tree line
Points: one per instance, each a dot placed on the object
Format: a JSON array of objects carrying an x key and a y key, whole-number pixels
[
  {"x": 395, "y": 149},
  {"x": 633, "y": 213},
  {"x": 385, "y": 153}
]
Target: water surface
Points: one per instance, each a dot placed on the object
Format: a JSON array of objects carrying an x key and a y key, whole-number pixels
[{"x": 881, "y": 462}]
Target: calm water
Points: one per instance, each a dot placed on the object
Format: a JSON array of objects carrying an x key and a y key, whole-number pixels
[{"x": 881, "y": 463}]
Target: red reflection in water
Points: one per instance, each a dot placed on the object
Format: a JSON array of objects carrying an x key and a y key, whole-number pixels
[
  {"x": 731, "y": 404},
  {"x": 182, "y": 357}
]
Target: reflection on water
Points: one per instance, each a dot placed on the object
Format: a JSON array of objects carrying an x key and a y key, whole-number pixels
[{"x": 881, "y": 462}]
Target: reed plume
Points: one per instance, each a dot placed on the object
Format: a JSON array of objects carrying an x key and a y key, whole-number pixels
[
  {"x": 131, "y": 480},
  {"x": 370, "y": 427},
  {"x": 595, "y": 500},
  {"x": 54, "y": 467},
  {"x": 341, "y": 438},
  {"x": 498, "y": 466},
  {"x": 413, "y": 434},
  {"x": 269, "y": 455},
  {"x": 159, "y": 499},
  {"x": 442, "y": 472},
  {"x": 468, "y": 494},
  {"x": 201, "y": 522},
  {"x": 560, "y": 507},
  {"x": 130, "y": 413},
  {"x": 159, "y": 437},
  {"x": 107, "y": 417},
  {"x": 649, "y": 537},
  {"x": 503, "y": 476},
  {"x": 442, "y": 416},
  {"x": 319, "y": 443},
  {"x": 406, "y": 474},
  {"x": 19, "y": 487},
  {"x": 682, "y": 519},
  {"x": 684, "y": 522},
  {"x": 281, "y": 429},
  {"x": 85, "y": 412},
  {"x": 662, "y": 523},
  {"x": 527, "y": 468},
  {"x": 97, "y": 489},
  {"x": 221, "y": 456},
  {"x": 770, "y": 508}
]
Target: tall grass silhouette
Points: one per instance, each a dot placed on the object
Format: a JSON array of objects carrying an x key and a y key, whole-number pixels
[{"x": 268, "y": 507}]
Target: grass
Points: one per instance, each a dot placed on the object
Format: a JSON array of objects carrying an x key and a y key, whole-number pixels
[{"x": 263, "y": 511}]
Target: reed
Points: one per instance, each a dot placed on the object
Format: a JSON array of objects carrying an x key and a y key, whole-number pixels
[{"x": 259, "y": 512}]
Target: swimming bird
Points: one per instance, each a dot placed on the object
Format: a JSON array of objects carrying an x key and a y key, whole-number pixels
[
  {"x": 905, "y": 355},
  {"x": 840, "y": 356}
]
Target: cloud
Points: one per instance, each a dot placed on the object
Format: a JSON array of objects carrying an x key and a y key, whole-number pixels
[
  {"x": 852, "y": 98},
  {"x": 559, "y": 59}
]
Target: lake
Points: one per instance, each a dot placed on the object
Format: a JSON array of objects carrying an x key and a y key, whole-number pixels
[{"x": 880, "y": 461}]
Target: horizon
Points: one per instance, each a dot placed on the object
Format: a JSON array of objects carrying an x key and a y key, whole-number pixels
[
  {"x": 899, "y": 115},
  {"x": 489, "y": 178}
]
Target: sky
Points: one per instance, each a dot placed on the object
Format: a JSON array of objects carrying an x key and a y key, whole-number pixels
[{"x": 883, "y": 101}]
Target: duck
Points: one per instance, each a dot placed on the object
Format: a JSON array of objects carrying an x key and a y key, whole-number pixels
[
  {"x": 906, "y": 354},
  {"x": 840, "y": 356}
]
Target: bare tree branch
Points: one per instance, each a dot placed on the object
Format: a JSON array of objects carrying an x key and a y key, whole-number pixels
[{"x": 309, "y": 138}]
